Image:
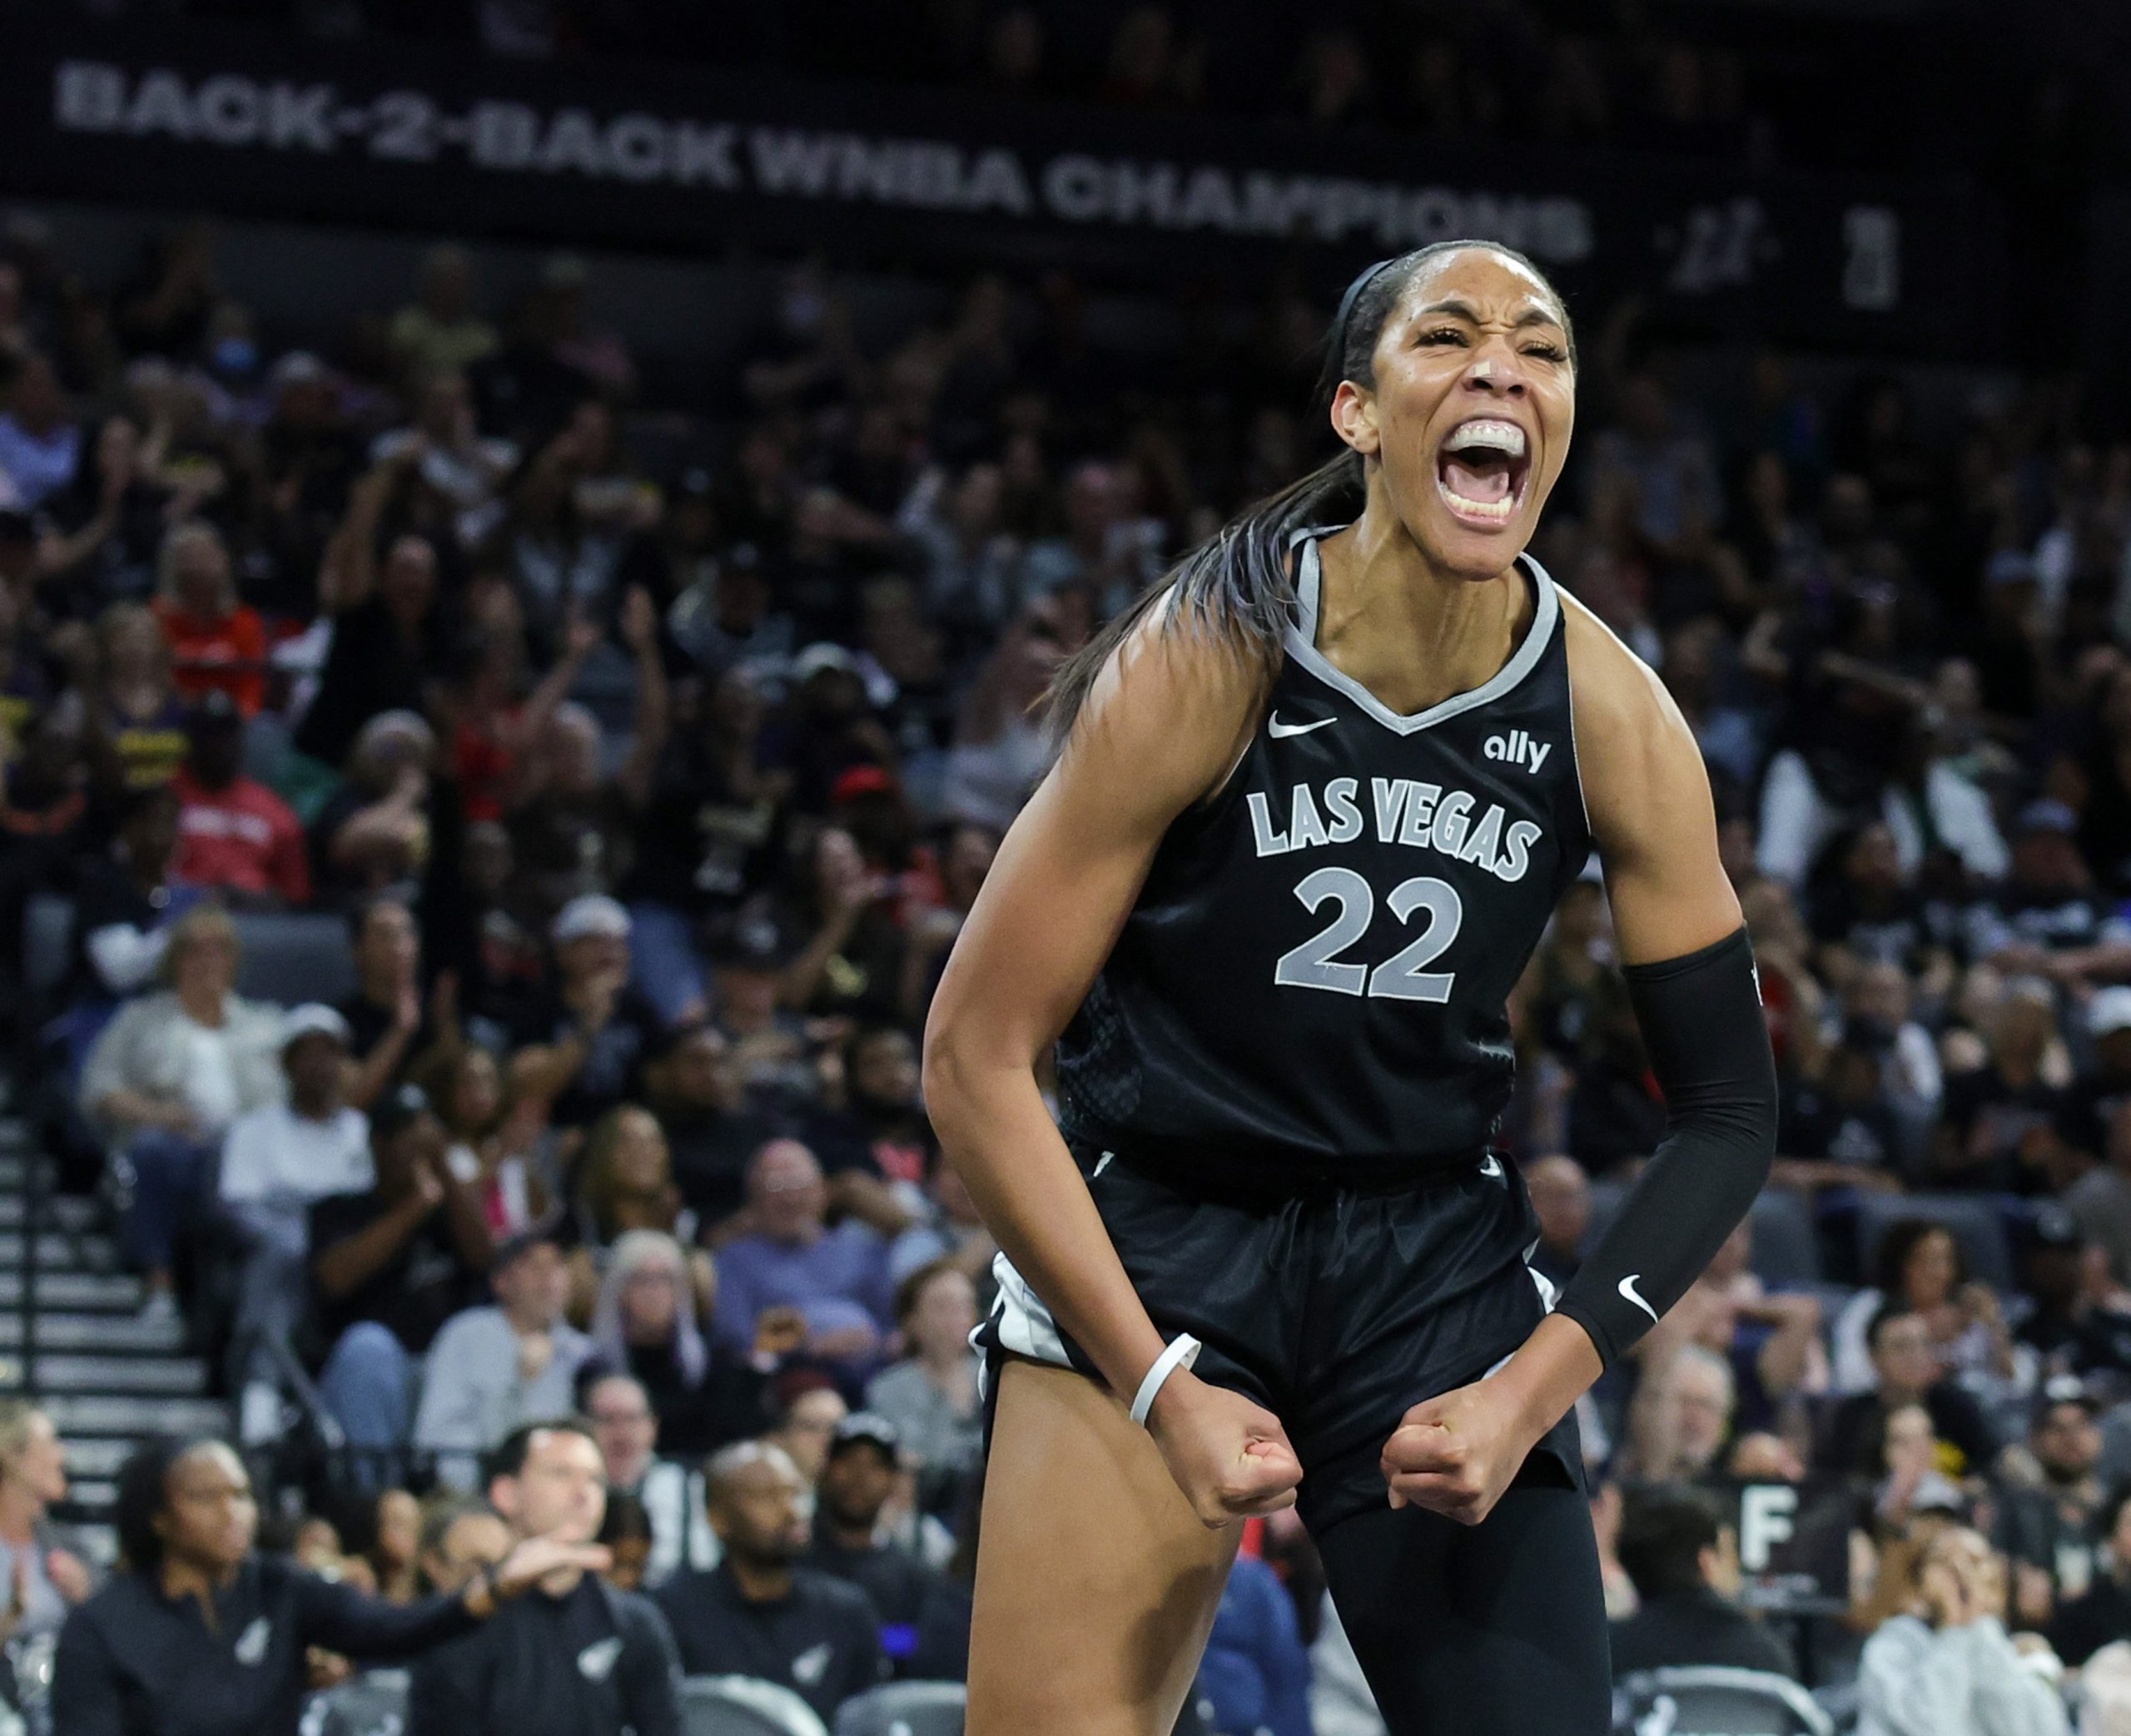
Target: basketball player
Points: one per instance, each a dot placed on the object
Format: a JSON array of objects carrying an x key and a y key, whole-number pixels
[{"x": 1318, "y": 794}]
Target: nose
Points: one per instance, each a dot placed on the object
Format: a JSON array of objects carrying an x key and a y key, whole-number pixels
[{"x": 1490, "y": 373}]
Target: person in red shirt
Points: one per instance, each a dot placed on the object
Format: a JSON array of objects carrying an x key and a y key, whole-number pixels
[
  {"x": 233, "y": 832},
  {"x": 217, "y": 645}
]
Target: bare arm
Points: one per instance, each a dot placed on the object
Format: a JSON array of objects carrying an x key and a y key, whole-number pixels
[{"x": 1162, "y": 725}]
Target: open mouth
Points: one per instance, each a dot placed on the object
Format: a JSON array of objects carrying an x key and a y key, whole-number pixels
[{"x": 1480, "y": 471}]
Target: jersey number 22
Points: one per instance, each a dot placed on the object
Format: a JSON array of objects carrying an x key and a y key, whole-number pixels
[{"x": 1403, "y": 976}]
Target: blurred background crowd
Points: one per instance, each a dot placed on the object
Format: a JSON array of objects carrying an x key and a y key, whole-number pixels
[{"x": 483, "y": 829}]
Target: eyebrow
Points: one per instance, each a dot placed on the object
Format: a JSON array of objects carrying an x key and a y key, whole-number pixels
[{"x": 1463, "y": 311}]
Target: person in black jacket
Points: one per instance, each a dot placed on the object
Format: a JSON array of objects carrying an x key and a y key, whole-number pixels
[
  {"x": 1685, "y": 1562},
  {"x": 576, "y": 1658},
  {"x": 196, "y": 1635},
  {"x": 757, "y": 1614}
]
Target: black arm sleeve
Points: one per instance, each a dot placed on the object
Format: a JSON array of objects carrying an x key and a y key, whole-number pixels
[
  {"x": 342, "y": 1619},
  {"x": 86, "y": 1697},
  {"x": 650, "y": 1672},
  {"x": 1701, "y": 1017}
]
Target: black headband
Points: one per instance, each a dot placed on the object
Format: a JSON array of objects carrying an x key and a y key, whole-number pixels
[{"x": 1347, "y": 306}]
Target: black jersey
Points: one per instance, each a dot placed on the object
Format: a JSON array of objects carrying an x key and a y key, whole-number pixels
[{"x": 1314, "y": 977}]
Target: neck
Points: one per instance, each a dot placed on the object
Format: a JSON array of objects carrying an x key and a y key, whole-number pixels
[
  {"x": 525, "y": 1324},
  {"x": 202, "y": 1005},
  {"x": 760, "y": 1582},
  {"x": 19, "y": 1512},
  {"x": 318, "y": 1106},
  {"x": 1411, "y": 633},
  {"x": 847, "y": 1535},
  {"x": 192, "y": 1579}
]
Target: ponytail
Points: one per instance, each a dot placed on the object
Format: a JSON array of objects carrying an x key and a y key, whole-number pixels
[{"x": 1238, "y": 589}]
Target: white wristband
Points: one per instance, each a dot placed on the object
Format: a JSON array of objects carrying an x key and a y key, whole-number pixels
[{"x": 1182, "y": 1352}]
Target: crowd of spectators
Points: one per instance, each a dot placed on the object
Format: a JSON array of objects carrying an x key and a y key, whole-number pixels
[{"x": 649, "y": 795}]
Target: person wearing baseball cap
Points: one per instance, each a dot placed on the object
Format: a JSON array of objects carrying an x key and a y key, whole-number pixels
[
  {"x": 279, "y": 1160},
  {"x": 863, "y": 1467},
  {"x": 586, "y": 1038}
]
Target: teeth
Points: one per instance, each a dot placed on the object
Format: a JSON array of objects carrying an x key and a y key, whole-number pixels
[
  {"x": 1482, "y": 509},
  {"x": 1496, "y": 435}
]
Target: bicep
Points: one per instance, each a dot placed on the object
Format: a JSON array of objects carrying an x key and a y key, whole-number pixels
[
  {"x": 1653, "y": 818},
  {"x": 1159, "y": 728}
]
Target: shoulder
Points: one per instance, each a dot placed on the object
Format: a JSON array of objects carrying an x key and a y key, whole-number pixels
[
  {"x": 827, "y": 1593},
  {"x": 1617, "y": 696},
  {"x": 899, "y": 1379}
]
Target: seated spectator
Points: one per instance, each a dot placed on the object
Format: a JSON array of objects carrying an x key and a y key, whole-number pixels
[
  {"x": 44, "y": 1565},
  {"x": 699, "y": 1093},
  {"x": 395, "y": 1553},
  {"x": 1772, "y": 1341},
  {"x": 386, "y": 1022},
  {"x": 2100, "y": 1200},
  {"x": 492, "y": 1368},
  {"x": 495, "y": 1145},
  {"x": 1998, "y": 1133},
  {"x": 1255, "y": 1670},
  {"x": 581, "y": 1045},
  {"x": 40, "y": 444},
  {"x": 2049, "y": 1529},
  {"x": 625, "y": 1533},
  {"x": 1907, "y": 1370},
  {"x": 126, "y": 905},
  {"x": 627, "y": 1429},
  {"x": 388, "y": 1268},
  {"x": 166, "y": 1080},
  {"x": 625, "y": 1181},
  {"x": 459, "y": 1537},
  {"x": 2102, "y": 1613},
  {"x": 217, "y": 644},
  {"x": 234, "y": 834},
  {"x": 1560, "y": 1200},
  {"x": 858, "y": 1479},
  {"x": 646, "y": 1326},
  {"x": 930, "y": 1396},
  {"x": 130, "y": 708},
  {"x": 278, "y": 1162},
  {"x": 443, "y": 330},
  {"x": 373, "y": 834},
  {"x": 758, "y": 1612},
  {"x": 2049, "y": 917},
  {"x": 881, "y": 1134},
  {"x": 1920, "y": 1264},
  {"x": 1681, "y": 1416},
  {"x": 807, "y": 1408},
  {"x": 1950, "y": 1669},
  {"x": 1684, "y": 1560},
  {"x": 837, "y": 1278},
  {"x": 577, "y": 1656}
]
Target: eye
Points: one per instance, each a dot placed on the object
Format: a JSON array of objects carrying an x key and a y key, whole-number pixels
[
  {"x": 1547, "y": 352},
  {"x": 1442, "y": 334}
]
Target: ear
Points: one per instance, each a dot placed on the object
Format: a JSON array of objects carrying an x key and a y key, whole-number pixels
[
  {"x": 1353, "y": 418},
  {"x": 503, "y": 1496}
]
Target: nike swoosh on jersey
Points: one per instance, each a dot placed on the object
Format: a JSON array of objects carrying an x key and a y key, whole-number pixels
[
  {"x": 1628, "y": 1290},
  {"x": 1276, "y": 729},
  {"x": 1491, "y": 1165}
]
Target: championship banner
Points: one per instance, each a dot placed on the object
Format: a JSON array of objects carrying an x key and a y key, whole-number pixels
[{"x": 228, "y": 121}]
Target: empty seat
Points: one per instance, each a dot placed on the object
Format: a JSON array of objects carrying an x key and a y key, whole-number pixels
[
  {"x": 744, "y": 1706},
  {"x": 1787, "y": 1254},
  {"x": 374, "y": 1704},
  {"x": 1709, "y": 1700},
  {"x": 295, "y": 957},
  {"x": 906, "y": 1708}
]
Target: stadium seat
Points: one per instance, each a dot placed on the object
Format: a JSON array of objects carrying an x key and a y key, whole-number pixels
[
  {"x": 906, "y": 1708},
  {"x": 1974, "y": 1219},
  {"x": 47, "y": 928},
  {"x": 374, "y": 1704},
  {"x": 1710, "y": 1700},
  {"x": 744, "y": 1706},
  {"x": 291, "y": 958},
  {"x": 1787, "y": 1254}
]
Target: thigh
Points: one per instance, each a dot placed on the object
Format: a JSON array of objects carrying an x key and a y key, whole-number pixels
[
  {"x": 1493, "y": 1630},
  {"x": 1096, "y": 1584}
]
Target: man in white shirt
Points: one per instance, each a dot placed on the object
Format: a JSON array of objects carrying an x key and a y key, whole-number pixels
[
  {"x": 277, "y": 1160},
  {"x": 627, "y": 1429},
  {"x": 495, "y": 1369}
]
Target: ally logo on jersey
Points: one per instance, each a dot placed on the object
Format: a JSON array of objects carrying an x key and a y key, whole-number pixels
[{"x": 1405, "y": 810}]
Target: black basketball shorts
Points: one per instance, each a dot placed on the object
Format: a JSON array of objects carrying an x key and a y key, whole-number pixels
[{"x": 1336, "y": 1308}]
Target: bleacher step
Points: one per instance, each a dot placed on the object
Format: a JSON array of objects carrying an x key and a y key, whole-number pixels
[
  {"x": 72, "y": 1211},
  {"x": 112, "y": 1334},
  {"x": 132, "y": 1417},
  {"x": 102, "y": 1291},
  {"x": 60, "y": 1253},
  {"x": 95, "y": 1456},
  {"x": 177, "y": 1377}
]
